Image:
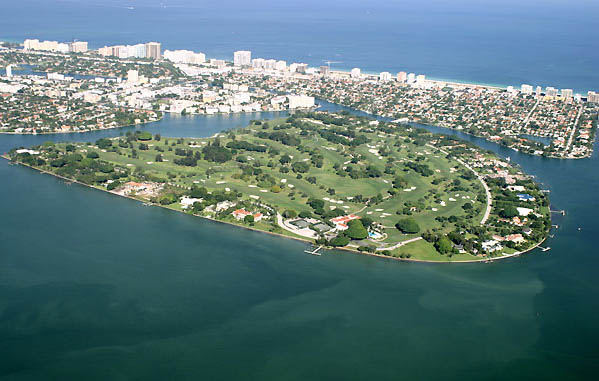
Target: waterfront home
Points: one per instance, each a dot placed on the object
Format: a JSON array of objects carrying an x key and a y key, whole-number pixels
[
  {"x": 240, "y": 214},
  {"x": 525, "y": 197},
  {"x": 491, "y": 246},
  {"x": 186, "y": 202},
  {"x": 524, "y": 211},
  {"x": 341, "y": 222}
]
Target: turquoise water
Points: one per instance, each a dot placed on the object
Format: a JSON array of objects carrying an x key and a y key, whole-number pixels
[{"x": 99, "y": 287}]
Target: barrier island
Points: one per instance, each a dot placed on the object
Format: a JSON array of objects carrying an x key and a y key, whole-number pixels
[{"x": 336, "y": 180}]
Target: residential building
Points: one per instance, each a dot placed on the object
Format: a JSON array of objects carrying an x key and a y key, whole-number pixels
[
  {"x": 242, "y": 58},
  {"x": 153, "y": 50},
  {"x": 567, "y": 93},
  {"x": 132, "y": 76},
  {"x": 300, "y": 101},
  {"x": 385, "y": 76},
  {"x": 402, "y": 76},
  {"x": 258, "y": 63},
  {"x": 281, "y": 65},
  {"x": 355, "y": 72},
  {"x": 78, "y": 47},
  {"x": 526, "y": 89}
]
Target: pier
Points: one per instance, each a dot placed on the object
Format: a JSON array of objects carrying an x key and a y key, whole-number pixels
[
  {"x": 314, "y": 252},
  {"x": 562, "y": 212}
]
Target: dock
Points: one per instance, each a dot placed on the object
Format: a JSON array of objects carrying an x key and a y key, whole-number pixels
[
  {"x": 562, "y": 212},
  {"x": 543, "y": 249},
  {"x": 314, "y": 252}
]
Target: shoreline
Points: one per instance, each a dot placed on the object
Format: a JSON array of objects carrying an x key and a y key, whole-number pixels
[
  {"x": 347, "y": 249},
  {"x": 79, "y": 132},
  {"x": 420, "y": 124}
]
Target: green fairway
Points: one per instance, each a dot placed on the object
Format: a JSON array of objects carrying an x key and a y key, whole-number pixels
[{"x": 320, "y": 166}]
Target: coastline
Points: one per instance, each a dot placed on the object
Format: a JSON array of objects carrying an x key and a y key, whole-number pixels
[
  {"x": 347, "y": 249},
  {"x": 80, "y": 132}
]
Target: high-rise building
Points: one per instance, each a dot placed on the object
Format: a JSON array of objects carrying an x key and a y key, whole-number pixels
[
  {"x": 105, "y": 51},
  {"x": 270, "y": 64},
  {"x": 281, "y": 65},
  {"x": 153, "y": 50},
  {"x": 385, "y": 76},
  {"x": 140, "y": 51},
  {"x": 31, "y": 44},
  {"x": 242, "y": 58},
  {"x": 551, "y": 92},
  {"x": 420, "y": 79},
  {"x": 526, "y": 89},
  {"x": 9, "y": 71},
  {"x": 301, "y": 68},
  {"x": 538, "y": 90},
  {"x": 355, "y": 72},
  {"x": 567, "y": 93},
  {"x": 325, "y": 71},
  {"x": 184, "y": 56},
  {"x": 411, "y": 78},
  {"x": 258, "y": 63},
  {"x": 402, "y": 76},
  {"x": 593, "y": 97},
  {"x": 62, "y": 47},
  {"x": 78, "y": 47}
]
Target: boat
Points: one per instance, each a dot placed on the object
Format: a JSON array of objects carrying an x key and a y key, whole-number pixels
[{"x": 543, "y": 249}]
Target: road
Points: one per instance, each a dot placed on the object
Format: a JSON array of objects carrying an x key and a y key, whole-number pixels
[
  {"x": 487, "y": 191},
  {"x": 573, "y": 131}
]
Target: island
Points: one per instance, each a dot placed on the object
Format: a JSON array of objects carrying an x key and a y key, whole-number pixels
[{"x": 335, "y": 180}]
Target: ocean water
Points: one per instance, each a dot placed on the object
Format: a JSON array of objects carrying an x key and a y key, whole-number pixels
[
  {"x": 96, "y": 287},
  {"x": 93, "y": 286},
  {"x": 510, "y": 42}
]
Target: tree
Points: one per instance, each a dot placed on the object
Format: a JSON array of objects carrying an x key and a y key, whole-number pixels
[
  {"x": 290, "y": 213},
  {"x": 444, "y": 246},
  {"x": 509, "y": 212},
  {"x": 400, "y": 182},
  {"x": 366, "y": 221},
  {"x": 339, "y": 241},
  {"x": 408, "y": 225},
  {"x": 104, "y": 143},
  {"x": 356, "y": 230},
  {"x": 168, "y": 199},
  {"x": 305, "y": 214},
  {"x": 92, "y": 155},
  {"x": 249, "y": 218},
  {"x": 285, "y": 159},
  {"x": 300, "y": 167},
  {"x": 158, "y": 158}
]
